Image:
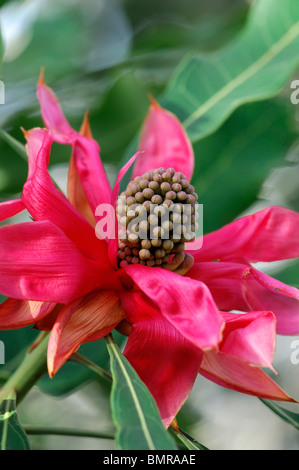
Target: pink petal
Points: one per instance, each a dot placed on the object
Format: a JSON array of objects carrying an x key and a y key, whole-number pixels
[
  {"x": 236, "y": 375},
  {"x": 183, "y": 302},
  {"x": 273, "y": 284},
  {"x": 16, "y": 313},
  {"x": 92, "y": 317},
  {"x": 164, "y": 360},
  {"x": 75, "y": 191},
  {"x": 281, "y": 299},
  {"x": 113, "y": 241},
  {"x": 38, "y": 145},
  {"x": 271, "y": 234},
  {"x": 46, "y": 323},
  {"x": 45, "y": 202},
  {"x": 10, "y": 208},
  {"x": 250, "y": 337},
  {"x": 86, "y": 151},
  {"x": 76, "y": 194},
  {"x": 38, "y": 262},
  {"x": 236, "y": 286},
  {"x": 91, "y": 172},
  {"x": 165, "y": 144},
  {"x": 52, "y": 114}
]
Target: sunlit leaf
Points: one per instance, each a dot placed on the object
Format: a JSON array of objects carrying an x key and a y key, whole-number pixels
[
  {"x": 14, "y": 144},
  {"x": 206, "y": 90},
  {"x": 287, "y": 273},
  {"x": 12, "y": 435},
  {"x": 288, "y": 416},
  {"x": 232, "y": 164},
  {"x": 189, "y": 442}
]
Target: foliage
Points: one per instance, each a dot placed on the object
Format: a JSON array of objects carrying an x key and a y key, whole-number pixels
[{"x": 222, "y": 68}]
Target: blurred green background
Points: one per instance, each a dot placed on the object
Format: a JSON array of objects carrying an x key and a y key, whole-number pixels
[{"x": 105, "y": 56}]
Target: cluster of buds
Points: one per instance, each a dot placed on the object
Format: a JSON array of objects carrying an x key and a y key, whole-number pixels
[{"x": 156, "y": 216}]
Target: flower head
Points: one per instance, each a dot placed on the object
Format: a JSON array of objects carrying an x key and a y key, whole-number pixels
[{"x": 173, "y": 303}]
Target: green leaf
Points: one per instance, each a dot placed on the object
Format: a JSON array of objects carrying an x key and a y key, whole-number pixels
[
  {"x": 288, "y": 416},
  {"x": 14, "y": 144},
  {"x": 189, "y": 442},
  {"x": 13, "y": 172},
  {"x": 16, "y": 342},
  {"x": 206, "y": 90},
  {"x": 134, "y": 411},
  {"x": 73, "y": 376},
  {"x": 287, "y": 273},
  {"x": 12, "y": 435},
  {"x": 232, "y": 164}
]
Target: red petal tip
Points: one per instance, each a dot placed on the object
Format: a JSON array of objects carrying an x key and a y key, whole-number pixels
[
  {"x": 25, "y": 133},
  {"x": 85, "y": 129},
  {"x": 41, "y": 80},
  {"x": 154, "y": 103}
]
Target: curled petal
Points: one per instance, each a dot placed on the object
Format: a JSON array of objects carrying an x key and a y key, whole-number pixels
[
  {"x": 185, "y": 303},
  {"x": 181, "y": 263},
  {"x": 52, "y": 114},
  {"x": 90, "y": 318},
  {"x": 38, "y": 146},
  {"x": 235, "y": 374},
  {"x": 16, "y": 313},
  {"x": 86, "y": 152},
  {"x": 271, "y": 234},
  {"x": 75, "y": 191},
  {"x": 236, "y": 286},
  {"x": 38, "y": 262},
  {"x": 45, "y": 202},
  {"x": 280, "y": 298},
  {"x": 76, "y": 194},
  {"x": 46, "y": 323},
  {"x": 10, "y": 208},
  {"x": 250, "y": 337},
  {"x": 164, "y": 143},
  {"x": 164, "y": 360}
]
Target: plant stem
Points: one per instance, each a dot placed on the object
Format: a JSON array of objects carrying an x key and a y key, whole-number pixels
[
  {"x": 79, "y": 359},
  {"x": 33, "y": 366},
  {"x": 62, "y": 431}
]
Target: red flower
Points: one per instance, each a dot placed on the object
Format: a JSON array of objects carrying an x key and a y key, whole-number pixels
[{"x": 60, "y": 276}]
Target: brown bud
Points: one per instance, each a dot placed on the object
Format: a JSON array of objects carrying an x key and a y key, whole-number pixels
[
  {"x": 154, "y": 185},
  {"x": 148, "y": 193},
  {"x": 165, "y": 187},
  {"x": 176, "y": 187},
  {"x": 170, "y": 195},
  {"x": 139, "y": 197},
  {"x": 181, "y": 196},
  {"x": 143, "y": 183},
  {"x": 146, "y": 244},
  {"x": 156, "y": 199},
  {"x": 156, "y": 242}
]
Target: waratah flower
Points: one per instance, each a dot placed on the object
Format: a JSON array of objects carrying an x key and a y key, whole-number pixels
[{"x": 174, "y": 304}]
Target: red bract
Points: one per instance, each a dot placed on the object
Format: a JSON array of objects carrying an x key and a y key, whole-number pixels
[{"x": 61, "y": 277}]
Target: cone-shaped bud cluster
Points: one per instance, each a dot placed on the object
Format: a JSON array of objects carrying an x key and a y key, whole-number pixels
[{"x": 156, "y": 215}]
